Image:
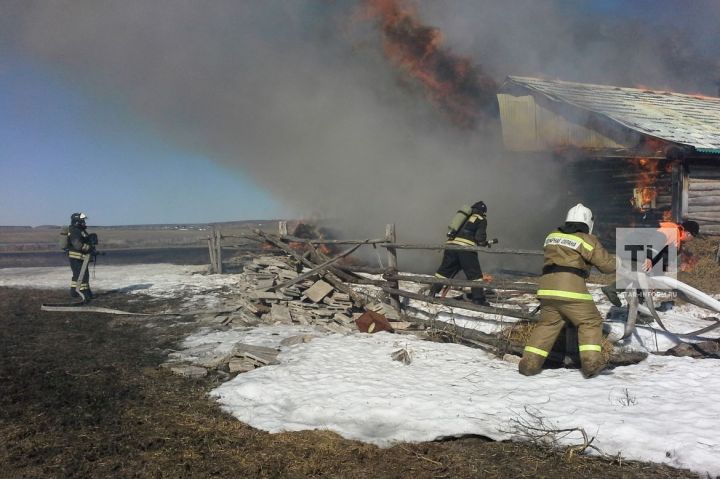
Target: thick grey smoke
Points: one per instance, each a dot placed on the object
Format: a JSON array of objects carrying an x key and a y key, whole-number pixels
[
  {"x": 662, "y": 44},
  {"x": 299, "y": 96}
]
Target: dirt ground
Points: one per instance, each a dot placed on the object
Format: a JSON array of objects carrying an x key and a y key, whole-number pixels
[{"x": 82, "y": 395}]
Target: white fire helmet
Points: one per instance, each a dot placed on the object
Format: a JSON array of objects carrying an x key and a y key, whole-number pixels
[{"x": 580, "y": 214}]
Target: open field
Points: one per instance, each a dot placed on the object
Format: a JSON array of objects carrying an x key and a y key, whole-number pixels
[
  {"x": 45, "y": 238},
  {"x": 172, "y": 255},
  {"x": 84, "y": 396}
]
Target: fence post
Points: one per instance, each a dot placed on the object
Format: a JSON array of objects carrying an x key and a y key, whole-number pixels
[
  {"x": 218, "y": 249},
  {"x": 392, "y": 263},
  {"x": 211, "y": 252}
]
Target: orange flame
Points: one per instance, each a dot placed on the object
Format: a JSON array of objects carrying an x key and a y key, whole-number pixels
[
  {"x": 454, "y": 84},
  {"x": 645, "y": 193}
]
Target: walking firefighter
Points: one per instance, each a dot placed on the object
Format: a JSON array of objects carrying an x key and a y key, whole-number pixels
[
  {"x": 469, "y": 228},
  {"x": 570, "y": 252}
]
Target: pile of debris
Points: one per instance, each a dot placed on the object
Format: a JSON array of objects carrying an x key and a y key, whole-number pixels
[
  {"x": 306, "y": 302},
  {"x": 258, "y": 301}
]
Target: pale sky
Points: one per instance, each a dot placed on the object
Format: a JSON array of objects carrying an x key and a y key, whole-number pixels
[{"x": 65, "y": 149}]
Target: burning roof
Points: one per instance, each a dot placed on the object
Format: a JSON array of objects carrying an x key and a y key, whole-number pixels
[{"x": 689, "y": 120}]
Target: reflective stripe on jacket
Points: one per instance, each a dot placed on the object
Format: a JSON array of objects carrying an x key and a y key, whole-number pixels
[
  {"x": 578, "y": 250},
  {"x": 473, "y": 232},
  {"x": 77, "y": 255},
  {"x": 79, "y": 242}
]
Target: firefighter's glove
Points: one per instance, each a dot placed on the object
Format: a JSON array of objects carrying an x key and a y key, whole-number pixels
[{"x": 86, "y": 247}]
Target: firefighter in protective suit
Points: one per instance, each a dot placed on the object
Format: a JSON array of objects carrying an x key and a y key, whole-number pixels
[
  {"x": 570, "y": 252},
  {"x": 81, "y": 246},
  {"x": 472, "y": 233}
]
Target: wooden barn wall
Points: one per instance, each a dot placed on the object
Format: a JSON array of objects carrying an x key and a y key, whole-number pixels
[
  {"x": 529, "y": 125},
  {"x": 606, "y": 186},
  {"x": 703, "y": 194}
]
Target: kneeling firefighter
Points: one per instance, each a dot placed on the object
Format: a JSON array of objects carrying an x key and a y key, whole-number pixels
[
  {"x": 80, "y": 249},
  {"x": 470, "y": 231},
  {"x": 570, "y": 252}
]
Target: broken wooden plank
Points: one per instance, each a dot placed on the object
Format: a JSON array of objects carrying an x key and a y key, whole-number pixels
[
  {"x": 271, "y": 295},
  {"x": 240, "y": 365},
  {"x": 334, "y": 280},
  {"x": 526, "y": 287},
  {"x": 296, "y": 239},
  {"x": 280, "y": 313},
  {"x": 318, "y": 291},
  {"x": 462, "y": 304},
  {"x": 315, "y": 270},
  {"x": 259, "y": 354}
]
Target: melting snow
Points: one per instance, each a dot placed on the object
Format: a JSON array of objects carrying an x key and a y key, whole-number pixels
[{"x": 662, "y": 410}]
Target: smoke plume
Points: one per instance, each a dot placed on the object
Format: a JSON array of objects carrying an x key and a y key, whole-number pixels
[{"x": 325, "y": 103}]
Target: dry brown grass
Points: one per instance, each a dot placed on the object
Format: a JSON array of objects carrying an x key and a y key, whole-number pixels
[
  {"x": 705, "y": 273},
  {"x": 83, "y": 397}
]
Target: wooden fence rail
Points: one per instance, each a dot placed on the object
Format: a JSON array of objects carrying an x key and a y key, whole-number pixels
[{"x": 338, "y": 275}]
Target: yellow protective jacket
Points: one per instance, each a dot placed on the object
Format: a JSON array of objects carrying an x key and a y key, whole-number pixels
[{"x": 578, "y": 250}]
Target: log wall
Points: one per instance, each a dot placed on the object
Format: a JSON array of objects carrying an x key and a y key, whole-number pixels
[
  {"x": 606, "y": 186},
  {"x": 703, "y": 195}
]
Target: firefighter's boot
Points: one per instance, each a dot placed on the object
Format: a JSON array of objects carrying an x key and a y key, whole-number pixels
[
  {"x": 530, "y": 365},
  {"x": 592, "y": 367},
  {"x": 434, "y": 290}
]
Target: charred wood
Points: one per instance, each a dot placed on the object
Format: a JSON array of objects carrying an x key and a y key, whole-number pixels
[
  {"x": 345, "y": 275},
  {"x": 331, "y": 278}
]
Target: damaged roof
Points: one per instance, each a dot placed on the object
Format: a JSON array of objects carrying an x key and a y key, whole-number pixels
[{"x": 692, "y": 120}]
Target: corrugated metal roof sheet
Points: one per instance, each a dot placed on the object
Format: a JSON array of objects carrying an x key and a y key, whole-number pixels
[{"x": 691, "y": 120}]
